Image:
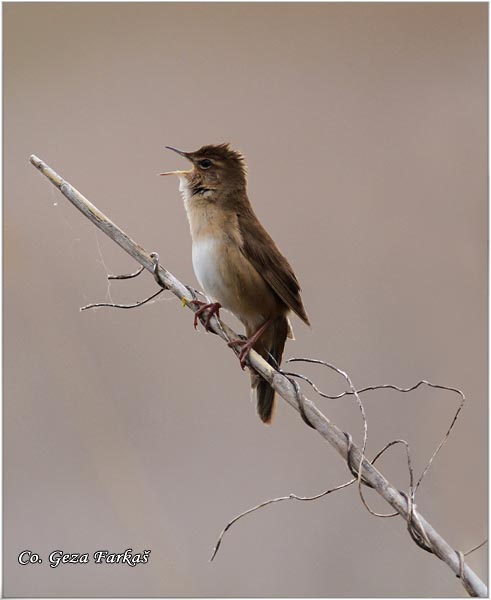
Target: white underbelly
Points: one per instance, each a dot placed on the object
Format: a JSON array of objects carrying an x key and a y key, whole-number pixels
[
  {"x": 206, "y": 264},
  {"x": 225, "y": 279}
]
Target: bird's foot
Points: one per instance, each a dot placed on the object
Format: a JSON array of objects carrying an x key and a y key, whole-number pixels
[
  {"x": 247, "y": 345},
  {"x": 211, "y": 309}
]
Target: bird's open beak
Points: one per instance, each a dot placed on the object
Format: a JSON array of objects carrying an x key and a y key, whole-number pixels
[
  {"x": 185, "y": 154},
  {"x": 175, "y": 173}
]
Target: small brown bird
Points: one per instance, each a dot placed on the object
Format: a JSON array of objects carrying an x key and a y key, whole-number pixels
[{"x": 237, "y": 263}]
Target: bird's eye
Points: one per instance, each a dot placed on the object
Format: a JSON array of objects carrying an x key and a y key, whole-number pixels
[{"x": 205, "y": 163}]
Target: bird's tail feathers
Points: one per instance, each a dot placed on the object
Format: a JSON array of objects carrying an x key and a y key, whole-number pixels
[{"x": 271, "y": 349}]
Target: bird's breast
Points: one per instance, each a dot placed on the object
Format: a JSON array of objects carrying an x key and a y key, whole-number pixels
[
  {"x": 228, "y": 277},
  {"x": 206, "y": 264}
]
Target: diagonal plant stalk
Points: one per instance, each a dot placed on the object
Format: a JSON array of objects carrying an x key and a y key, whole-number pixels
[{"x": 420, "y": 529}]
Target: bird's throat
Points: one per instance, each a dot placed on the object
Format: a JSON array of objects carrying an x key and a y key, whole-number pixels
[
  {"x": 189, "y": 191},
  {"x": 184, "y": 187}
]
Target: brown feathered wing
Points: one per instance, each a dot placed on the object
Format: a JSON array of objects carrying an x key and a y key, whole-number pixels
[
  {"x": 261, "y": 251},
  {"x": 259, "y": 248}
]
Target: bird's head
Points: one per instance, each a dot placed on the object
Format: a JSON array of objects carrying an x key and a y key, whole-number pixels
[{"x": 214, "y": 169}]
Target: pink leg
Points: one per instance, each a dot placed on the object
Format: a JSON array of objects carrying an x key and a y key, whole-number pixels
[
  {"x": 212, "y": 309},
  {"x": 248, "y": 344}
]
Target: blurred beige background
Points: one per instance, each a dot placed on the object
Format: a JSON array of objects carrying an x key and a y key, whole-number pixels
[{"x": 364, "y": 128}]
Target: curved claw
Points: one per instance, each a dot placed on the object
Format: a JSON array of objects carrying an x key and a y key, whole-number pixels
[
  {"x": 247, "y": 345},
  {"x": 213, "y": 308}
]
